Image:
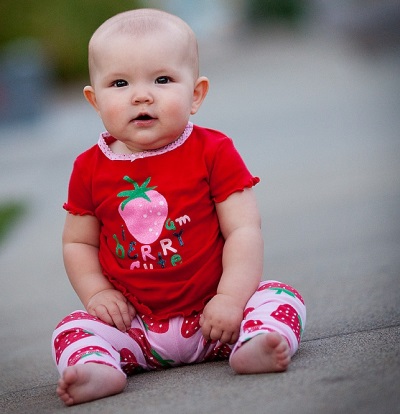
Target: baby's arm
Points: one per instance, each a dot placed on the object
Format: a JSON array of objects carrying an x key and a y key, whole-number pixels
[
  {"x": 80, "y": 251},
  {"x": 242, "y": 263}
]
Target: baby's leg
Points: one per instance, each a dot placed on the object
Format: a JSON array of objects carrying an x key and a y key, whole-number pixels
[
  {"x": 88, "y": 382},
  {"x": 270, "y": 333},
  {"x": 86, "y": 352}
]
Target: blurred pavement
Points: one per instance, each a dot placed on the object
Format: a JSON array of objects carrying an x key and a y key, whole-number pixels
[{"x": 319, "y": 123}]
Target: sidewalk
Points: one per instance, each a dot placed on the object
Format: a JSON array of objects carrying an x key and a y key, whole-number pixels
[{"x": 320, "y": 125}]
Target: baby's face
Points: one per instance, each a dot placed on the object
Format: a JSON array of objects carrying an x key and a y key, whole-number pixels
[{"x": 143, "y": 88}]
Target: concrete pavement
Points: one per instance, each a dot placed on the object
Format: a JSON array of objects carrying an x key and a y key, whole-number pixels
[{"x": 319, "y": 123}]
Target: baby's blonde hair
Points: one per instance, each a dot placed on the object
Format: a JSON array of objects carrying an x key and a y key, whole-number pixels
[{"x": 141, "y": 22}]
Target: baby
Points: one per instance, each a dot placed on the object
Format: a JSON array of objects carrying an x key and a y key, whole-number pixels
[{"x": 162, "y": 240}]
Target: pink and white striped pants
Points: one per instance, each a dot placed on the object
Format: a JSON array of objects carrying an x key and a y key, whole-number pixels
[{"x": 149, "y": 345}]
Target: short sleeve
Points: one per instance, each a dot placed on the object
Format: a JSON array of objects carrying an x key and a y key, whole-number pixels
[
  {"x": 79, "y": 200},
  {"x": 229, "y": 173}
]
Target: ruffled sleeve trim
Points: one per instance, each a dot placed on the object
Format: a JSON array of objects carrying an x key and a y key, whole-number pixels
[
  {"x": 250, "y": 183},
  {"x": 77, "y": 211}
]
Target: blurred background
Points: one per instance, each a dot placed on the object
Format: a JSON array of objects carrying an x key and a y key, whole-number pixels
[
  {"x": 44, "y": 44},
  {"x": 308, "y": 89}
]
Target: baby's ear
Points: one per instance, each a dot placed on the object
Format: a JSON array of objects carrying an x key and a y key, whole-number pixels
[
  {"x": 90, "y": 96},
  {"x": 200, "y": 91}
]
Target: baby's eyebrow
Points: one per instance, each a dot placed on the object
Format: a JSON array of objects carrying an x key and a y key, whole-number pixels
[{"x": 116, "y": 75}]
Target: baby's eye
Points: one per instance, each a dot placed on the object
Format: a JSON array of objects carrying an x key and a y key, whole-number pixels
[
  {"x": 119, "y": 83},
  {"x": 162, "y": 80}
]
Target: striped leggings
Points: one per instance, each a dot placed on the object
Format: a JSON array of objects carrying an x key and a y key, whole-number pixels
[{"x": 154, "y": 344}]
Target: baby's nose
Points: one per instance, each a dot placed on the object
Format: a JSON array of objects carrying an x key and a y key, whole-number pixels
[{"x": 141, "y": 96}]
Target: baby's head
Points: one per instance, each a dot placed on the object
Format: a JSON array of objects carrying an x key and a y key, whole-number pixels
[
  {"x": 144, "y": 22},
  {"x": 144, "y": 72}
]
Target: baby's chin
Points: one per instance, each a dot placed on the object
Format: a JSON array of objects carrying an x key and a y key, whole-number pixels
[{"x": 152, "y": 146}]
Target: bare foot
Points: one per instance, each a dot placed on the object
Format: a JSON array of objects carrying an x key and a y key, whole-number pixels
[
  {"x": 82, "y": 383},
  {"x": 264, "y": 353}
]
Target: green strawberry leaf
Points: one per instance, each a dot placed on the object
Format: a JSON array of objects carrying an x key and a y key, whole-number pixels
[
  {"x": 161, "y": 360},
  {"x": 137, "y": 192},
  {"x": 282, "y": 290}
]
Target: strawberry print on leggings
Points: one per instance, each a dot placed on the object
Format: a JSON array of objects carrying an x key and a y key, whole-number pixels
[
  {"x": 281, "y": 288},
  {"x": 153, "y": 358},
  {"x": 154, "y": 344},
  {"x": 289, "y": 316}
]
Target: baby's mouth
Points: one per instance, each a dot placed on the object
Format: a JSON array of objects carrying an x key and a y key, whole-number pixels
[{"x": 143, "y": 117}]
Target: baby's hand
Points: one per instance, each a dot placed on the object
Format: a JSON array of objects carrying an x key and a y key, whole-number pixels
[
  {"x": 112, "y": 307},
  {"x": 221, "y": 319}
]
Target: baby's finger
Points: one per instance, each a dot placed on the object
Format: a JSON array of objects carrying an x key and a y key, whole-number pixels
[
  {"x": 102, "y": 313},
  {"x": 215, "y": 334},
  {"x": 125, "y": 313},
  {"x": 226, "y": 337},
  {"x": 131, "y": 310},
  {"x": 205, "y": 330},
  {"x": 117, "y": 318},
  {"x": 234, "y": 338}
]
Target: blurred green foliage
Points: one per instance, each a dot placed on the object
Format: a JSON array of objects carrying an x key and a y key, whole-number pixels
[
  {"x": 10, "y": 213},
  {"x": 288, "y": 11},
  {"x": 64, "y": 28}
]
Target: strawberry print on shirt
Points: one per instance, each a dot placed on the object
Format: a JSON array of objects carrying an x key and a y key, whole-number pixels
[{"x": 144, "y": 211}]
